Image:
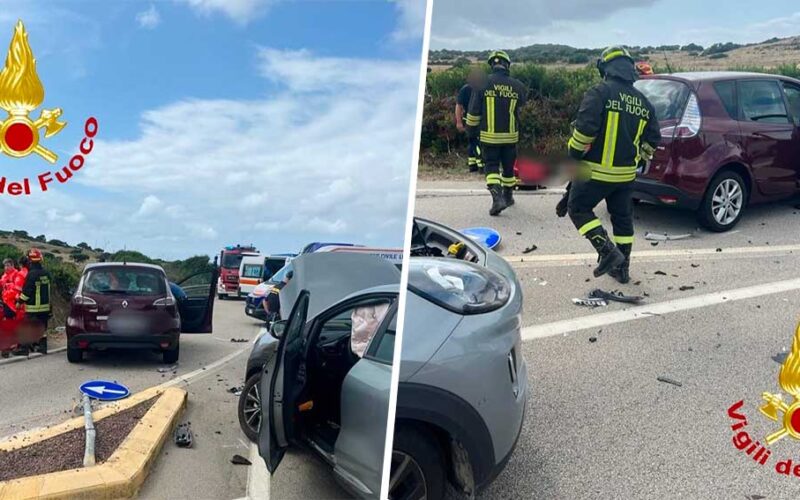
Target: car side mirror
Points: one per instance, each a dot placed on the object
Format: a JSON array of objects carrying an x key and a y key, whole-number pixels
[{"x": 277, "y": 328}]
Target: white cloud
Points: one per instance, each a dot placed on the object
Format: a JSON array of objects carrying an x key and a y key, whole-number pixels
[
  {"x": 149, "y": 19},
  {"x": 411, "y": 19},
  {"x": 54, "y": 215},
  {"x": 241, "y": 11},
  {"x": 150, "y": 206},
  {"x": 327, "y": 156}
]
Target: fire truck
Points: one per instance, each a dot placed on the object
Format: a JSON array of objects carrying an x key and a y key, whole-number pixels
[{"x": 229, "y": 259}]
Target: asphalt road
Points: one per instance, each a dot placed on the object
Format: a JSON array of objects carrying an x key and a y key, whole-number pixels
[
  {"x": 43, "y": 391},
  {"x": 599, "y": 423}
]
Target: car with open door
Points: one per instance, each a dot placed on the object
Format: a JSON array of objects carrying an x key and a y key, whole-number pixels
[
  {"x": 327, "y": 386},
  {"x": 463, "y": 379},
  {"x": 127, "y": 305}
]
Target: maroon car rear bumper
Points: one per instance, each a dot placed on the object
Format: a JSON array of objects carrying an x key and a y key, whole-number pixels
[
  {"x": 164, "y": 342},
  {"x": 657, "y": 192}
]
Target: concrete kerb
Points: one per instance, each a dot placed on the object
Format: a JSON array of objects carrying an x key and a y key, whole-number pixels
[{"x": 123, "y": 473}]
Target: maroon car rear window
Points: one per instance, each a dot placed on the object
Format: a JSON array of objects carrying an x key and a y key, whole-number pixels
[
  {"x": 667, "y": 96},
  {"x": 727, "y": 93},
  {"x": 125, "y": 281}
]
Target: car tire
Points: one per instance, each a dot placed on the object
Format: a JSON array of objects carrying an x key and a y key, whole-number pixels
[
  {"x": 250, "y": 407},
  {"x": 74, "y": 355},
  {"x": 221, "y": 296},
  {"x": 727, "y": 187},
  {"x": 173, "y": 355},
  {"x": 416, "y": 451}
]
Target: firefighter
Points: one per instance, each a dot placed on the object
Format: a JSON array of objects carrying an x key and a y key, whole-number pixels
[
  {"x": 35, "y": 294},
  {"x": 493, "y": 117},
  {"x": 474, "y": 80},
  {"x": 616, "y": 131}
]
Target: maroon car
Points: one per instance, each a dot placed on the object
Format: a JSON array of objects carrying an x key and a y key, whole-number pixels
[
  {"x": 134, "y": 306},
  {"x": 729, "y": 139}
]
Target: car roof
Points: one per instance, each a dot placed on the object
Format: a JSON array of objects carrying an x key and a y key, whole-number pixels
[
  {"x": 122, "y": 264},
  {"x": 698, "y": 76},
  {"x": 331, "y": 277}
]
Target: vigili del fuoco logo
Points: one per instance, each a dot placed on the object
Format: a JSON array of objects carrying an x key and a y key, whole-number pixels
[
  {"x": 777, "y": 410},
  {"x": 22, "y": 135}
]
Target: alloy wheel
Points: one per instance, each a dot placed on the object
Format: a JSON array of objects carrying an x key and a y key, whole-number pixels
[
  {"x": 252, "y": 408},
  {"x": 407, "y": 481},
  {"x": 727, "y": 201}
]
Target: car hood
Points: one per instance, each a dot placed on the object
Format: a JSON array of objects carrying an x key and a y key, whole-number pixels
[{"x": 330, "y": 277}]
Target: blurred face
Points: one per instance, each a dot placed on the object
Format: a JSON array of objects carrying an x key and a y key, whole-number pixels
[{"x": 8, "y": 266}]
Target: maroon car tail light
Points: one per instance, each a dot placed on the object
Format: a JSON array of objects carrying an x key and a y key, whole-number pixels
[
  {"x": 82, "y": 300},
  {"x": 165, "y": 302},
  {"x": 83, "y": 344},
  {"x": 691, "y": 121},
  {"x": 668, "y": 200}
]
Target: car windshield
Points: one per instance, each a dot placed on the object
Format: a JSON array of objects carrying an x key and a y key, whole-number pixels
[
  {"x": 278, "y": 277},
  {"x": 125, "y": 280},
  {"x": 667, "y": 96},
  {"x": 232, "y": 260}
]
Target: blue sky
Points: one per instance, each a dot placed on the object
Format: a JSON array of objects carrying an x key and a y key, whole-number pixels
[
  {"x": 224, "y": 121},
  {"x": 477, "y": 24}
]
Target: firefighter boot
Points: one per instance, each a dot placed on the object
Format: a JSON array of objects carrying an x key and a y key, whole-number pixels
[
  {"x": 498, "y": 201},
  {"x": 608, "y": 255},
  {"x": 508, "y": 196},
  {"x": 622, "y": 273}
]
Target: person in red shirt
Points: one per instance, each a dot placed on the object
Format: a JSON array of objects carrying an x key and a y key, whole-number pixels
[
  {"x": 8, "y": 288},
  {"x": 19, "y": 281}
]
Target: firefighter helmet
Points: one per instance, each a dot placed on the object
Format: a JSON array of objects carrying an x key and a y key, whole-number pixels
[
  {"x": 499, "y": 57},
  {"x": 610, "y": 54},
  {"x": 35, "y": 255}
]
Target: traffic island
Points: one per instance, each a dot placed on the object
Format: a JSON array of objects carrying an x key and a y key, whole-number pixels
[{"x": 46, "y": 463}]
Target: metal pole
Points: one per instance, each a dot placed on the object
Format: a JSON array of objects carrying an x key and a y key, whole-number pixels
[{"x": 88, "y": 455}]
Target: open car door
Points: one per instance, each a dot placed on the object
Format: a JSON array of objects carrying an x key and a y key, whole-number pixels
[
  {"x": 283, "y": 379},
  {"x": 197, "y": 305}
]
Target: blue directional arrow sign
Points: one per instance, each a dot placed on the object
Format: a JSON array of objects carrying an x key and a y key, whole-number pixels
[{"x": 104, "y": 390}]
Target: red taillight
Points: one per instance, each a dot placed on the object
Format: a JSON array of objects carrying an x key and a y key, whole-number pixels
[
  {"x": 164, "y": 345},
  {"x": 166, "y": 301},
  {"x": 83, "y": 344},
  {"x": 82, "y": 300},
  {"x": 691, "y": 120}
]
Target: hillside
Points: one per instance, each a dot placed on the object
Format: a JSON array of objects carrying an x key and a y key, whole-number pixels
[{"x": 768, "y": 54}]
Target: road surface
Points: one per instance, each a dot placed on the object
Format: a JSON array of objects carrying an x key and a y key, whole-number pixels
[
  {"x": 720, "y": 314},
  {"x": 44, "y": 391}
]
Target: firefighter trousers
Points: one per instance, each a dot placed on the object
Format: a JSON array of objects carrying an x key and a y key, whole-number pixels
[
  {"x": 498, "y": 163},
  {"x": 585, "y": 195},
  {"x": 474, "y": 161}
]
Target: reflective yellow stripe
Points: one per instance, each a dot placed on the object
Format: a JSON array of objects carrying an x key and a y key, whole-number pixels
[
  {"x": 493, "y": 179},
  {"x": 473, "y": 120},
  {"x": 508, "y": 181},
  {"x": 490, "y": 114},
  {"x": 611, "y": 174},
  {"x": 612, "y": 55},
  {"x": 623, "y": 240},
  {"x": 500, "y": 138},
  {"x": 39, "y": 308},
  {"x": 585, "y": 139},
  {"x": 610, "y": 144},
  {"x": 512, "y": 125},
  {"x": 23, "y": 297},
  {"x": 576, "y": 145},
  {"x": 589, "y": 226},
  {"x": 638, "y": 138}
]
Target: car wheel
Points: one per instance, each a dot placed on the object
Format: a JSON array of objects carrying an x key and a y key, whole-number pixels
[
  {"x": 74, "y": 355},
  {"x": 221, "y": 296},
  {"x": 418, "y": 468},
  {"x": 724, "y": 202},
  {"x": 172, "y": 356},
  {"x": 250, "y": 407}
]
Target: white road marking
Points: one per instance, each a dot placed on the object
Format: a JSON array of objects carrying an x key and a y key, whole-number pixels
[
  {"x": 657, "y": 309},
  {"x": 484, "y": 192},
  {"x": 14, "y": 359},
  {"x": 258, "y": 477},
  {"x": 654, "y": 255}
]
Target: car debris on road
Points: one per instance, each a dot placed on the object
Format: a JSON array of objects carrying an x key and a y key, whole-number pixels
[
  {"x": 589, "y": 302},
  {"x": 240, "y": 460},
  {"x": 615, "y": 295},
  {"x": 668, "y": 380},
  {"x": 184, "y": 435},
  {"x": 665, "y": 236}
]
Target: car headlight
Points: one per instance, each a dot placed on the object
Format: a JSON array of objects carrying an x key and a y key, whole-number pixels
[{"x": 459, "y": 286}]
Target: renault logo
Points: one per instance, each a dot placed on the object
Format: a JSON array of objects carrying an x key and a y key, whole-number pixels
[{"x": 124, "y": 304}]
